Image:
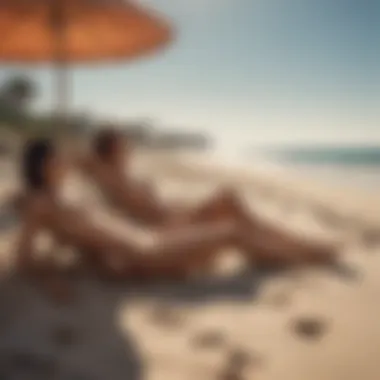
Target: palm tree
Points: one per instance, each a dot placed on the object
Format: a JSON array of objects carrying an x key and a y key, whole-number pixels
[
  {"x": 16, "y": 95},
  {"x": 18, "y": 91}
]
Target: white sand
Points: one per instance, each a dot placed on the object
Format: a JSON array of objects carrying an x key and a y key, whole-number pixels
[{"x": 122, "y": 330}]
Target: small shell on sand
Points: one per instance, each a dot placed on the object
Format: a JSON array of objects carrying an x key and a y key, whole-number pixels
[{"x": 309, "y": 327}]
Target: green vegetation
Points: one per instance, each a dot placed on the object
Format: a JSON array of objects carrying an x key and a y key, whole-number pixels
[
  {"x": 17, "y": 95},
  {"x": 17, "y": 115}
]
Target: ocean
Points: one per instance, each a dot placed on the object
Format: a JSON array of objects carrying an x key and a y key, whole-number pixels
[
  {"x": 354, "y": 166},
  {"x": 357, "y": 166}
]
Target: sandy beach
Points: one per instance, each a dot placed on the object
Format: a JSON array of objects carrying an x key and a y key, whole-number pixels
[{"x": 309, "y": 324}]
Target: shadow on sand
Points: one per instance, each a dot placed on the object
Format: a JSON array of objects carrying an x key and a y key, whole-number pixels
[
  {"x": 92, "y": 344},
  {"x": 8, "y": 217}
]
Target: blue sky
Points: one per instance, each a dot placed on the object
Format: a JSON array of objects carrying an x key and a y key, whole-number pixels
[{"x": 250, "y": 71}]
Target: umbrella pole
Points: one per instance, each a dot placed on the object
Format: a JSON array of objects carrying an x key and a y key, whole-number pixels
[
  {"x": 61, "y": 88},
  {"x": 61, "y": 93}
]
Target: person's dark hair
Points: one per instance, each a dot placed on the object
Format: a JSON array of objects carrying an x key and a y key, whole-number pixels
[
  {"x": 36, "y": 153},
  {"x": 104, "y": 142}
]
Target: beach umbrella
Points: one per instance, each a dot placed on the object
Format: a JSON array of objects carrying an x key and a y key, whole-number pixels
[{"x": 66, "y": 32}]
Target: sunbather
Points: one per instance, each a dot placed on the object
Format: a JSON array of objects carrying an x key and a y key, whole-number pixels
[
  {"x": 170, "y": 256},
  {"x": 107, "y": 166}
]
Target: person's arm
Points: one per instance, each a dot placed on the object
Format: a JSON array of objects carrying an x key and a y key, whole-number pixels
[
  {"x": 48, "y": 276},
  {"x": 141, "y": 202}
]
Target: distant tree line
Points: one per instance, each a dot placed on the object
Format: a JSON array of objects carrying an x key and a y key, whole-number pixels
[
  {"x": 15, "y": 98},
  {"x": 18, "y": 93}
]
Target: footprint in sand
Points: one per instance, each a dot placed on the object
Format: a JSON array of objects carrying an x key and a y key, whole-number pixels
[
  {"x": 241, "y": 359},
  {"x": 166, "y": 316},
  {"x": 237, "y": 362},
  {"x": 370, "y": 238},
  {"x": 310, "y": 328},
  {"x": 209, "y": 339},
  {"x": 230, "y": 374}
]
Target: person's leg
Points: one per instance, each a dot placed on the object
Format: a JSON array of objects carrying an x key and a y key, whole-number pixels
[
  {"x": 224, "y": 205},
  {"x": 172, "y": 257},
  {"x": 176, "y": 257},
  {"x": 271, "y": 239},
  {"x": 260, "y": 242},
  {"x": 264, "y": 246},
  {"x": 279, "y": 254},
  {"x": 191, "y": 247}
]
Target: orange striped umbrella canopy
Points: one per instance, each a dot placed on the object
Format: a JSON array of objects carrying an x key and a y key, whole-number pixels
[
  {"x": 67, "y": 32},
  {"x": 78, "y": 31}
]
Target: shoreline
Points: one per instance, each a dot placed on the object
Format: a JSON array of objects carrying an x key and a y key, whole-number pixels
[{"x": 349, "y": 202}]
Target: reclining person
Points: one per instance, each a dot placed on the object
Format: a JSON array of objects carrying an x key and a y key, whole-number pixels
[
  {"x": 107, "y": 166},
  {"x": 44, "y": 169}
]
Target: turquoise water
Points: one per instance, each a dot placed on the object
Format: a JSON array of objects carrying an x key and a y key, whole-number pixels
[
  {"x": 353, "y": 166},
  {"x": 343, "y": 156},
  {"x": 357, "y": 166}
]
